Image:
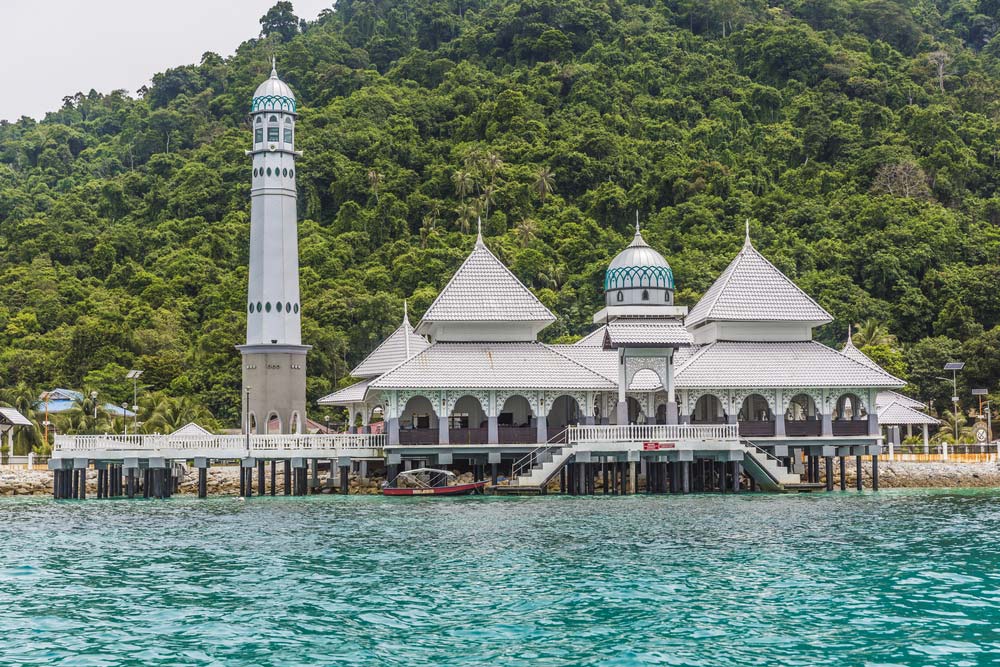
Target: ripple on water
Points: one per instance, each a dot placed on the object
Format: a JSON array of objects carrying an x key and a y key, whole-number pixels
[{"x": 898, "y": 578}]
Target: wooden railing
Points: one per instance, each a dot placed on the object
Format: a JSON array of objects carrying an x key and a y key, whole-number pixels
[
  {"x": 850, "y": 427},
  {"x": 807, "y": 427},
  {"x": 756, "y": 429},
  {"x": 517, "y": 435}
]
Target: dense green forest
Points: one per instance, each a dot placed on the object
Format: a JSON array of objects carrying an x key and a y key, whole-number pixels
[{"x": 860, "y": 138}]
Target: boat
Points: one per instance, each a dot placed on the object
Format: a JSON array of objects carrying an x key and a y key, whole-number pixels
[{"x": 428, "y": 482}]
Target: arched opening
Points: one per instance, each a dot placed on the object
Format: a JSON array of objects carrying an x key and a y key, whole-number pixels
[
  {"x": 645, "y": 380},
  {"x": 850, "y": 416},
  {"x": 565, "y": 411},
  {"x": 253, "y": 423},
  {"x": 801, "y": 417},
  {"x": 755, "y": 417},
  {"x": 645, "y": 295},
  {"x": 273, "y": 424},
  {"x": 514, "y": 423},
  {"x": 418, "y": 422},
  {"x": 376, "y": 420},
  {"x": 661, "y": 413},
  {"x": 467, "y": 422},
  {"x": 635, "y": 413},
  {"x": 708, "y": 410},
  {"x": 295, "y": 423},
  {"x": 621, "y": 297}
]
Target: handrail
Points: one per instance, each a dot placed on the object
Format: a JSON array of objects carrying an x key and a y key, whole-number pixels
[
  {"x": 767, "y": 455},
  {"x": 648, "y": 432},
  {"x": 257, "y": 443},
  {"x": 527, "y": 462}
]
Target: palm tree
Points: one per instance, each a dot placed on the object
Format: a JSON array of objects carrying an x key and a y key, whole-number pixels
[
  {"x": 526, "y": 231},
  {"x": 487, "y": 198},
  {"x": 166, "y": 414},
  {"x": 464, "y": 183},
  {"x": 466, "y": 214},
  {"x": 947, "y": 431},
  {"x": 494, "y": 163},
  {"x": 872, "y": 332},
  {"x": 427, "y": 228},
  {"x": 545, "y": 183}
]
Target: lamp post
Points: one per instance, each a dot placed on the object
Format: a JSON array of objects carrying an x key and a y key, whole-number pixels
[
  {"x": 955, "y": 367},
  {"x": 247, "y": 413},
  {"x": 93, "y": 399},
  {"x": 125, "y": 417},
  {"x": 327, "y": 419}
]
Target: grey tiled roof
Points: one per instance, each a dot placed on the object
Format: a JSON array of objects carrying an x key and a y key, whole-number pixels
[
  {"x": 789, "y": 364},
  {"x": 884, "y": 398},
  {"x": 492, "y": 366},
  {"x": 391, "y": 352},
  {"x": 849, "y": 350},
  {"x": 605, "y": 362},
  {"x": 352, "y": 394},
  {"x": 651, "y": 332},
  {"x": 896, "y": 414},
  {"x": 483, "y": 289},
  {"x": 753, "y": 289},
  {"x": 595, "y": 337}
]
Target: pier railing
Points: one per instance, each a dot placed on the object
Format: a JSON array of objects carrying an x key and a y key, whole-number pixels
[
  {"x": 218, "y": 445},
  {"x": 652, "y": 432}
]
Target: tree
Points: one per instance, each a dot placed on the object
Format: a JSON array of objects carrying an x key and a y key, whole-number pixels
[
  {"x": 545, "y": 183},
  {"x": 872, "y": 332},
  {"x": 940, "y": 60},
  {"x": 903, "y": 179},
  {"x": 280, "y": 20}
]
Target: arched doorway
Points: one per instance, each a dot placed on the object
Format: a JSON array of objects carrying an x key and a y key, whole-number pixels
[
  {"x": 565, "y": 411},
  {"x": 418, "y": 423},
  {"x": 801, "y": 418},
  {"x": 273, "y": 424},
  {"x": 635, "y": 412},
  {"x": 295, "y": 423},
  {"x": 467, "y": 422},
  {"x": 708, "y": 410},
  {"x": 755, "y": 417},
  {"x": 514, "y": 423},
  {"x": 253, "y": 423},
  {"x": 850, "y": 416},
  {"x": 661, "y": 413}
]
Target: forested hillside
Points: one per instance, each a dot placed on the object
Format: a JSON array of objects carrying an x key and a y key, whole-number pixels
[{"x": 859, "y": 137}]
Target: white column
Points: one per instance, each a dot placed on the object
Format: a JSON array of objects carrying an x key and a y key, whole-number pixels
[{"x": 927, "y": 444}]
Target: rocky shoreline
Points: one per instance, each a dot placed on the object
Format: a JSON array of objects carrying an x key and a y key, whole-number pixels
[{"x": 225, "y": 480}]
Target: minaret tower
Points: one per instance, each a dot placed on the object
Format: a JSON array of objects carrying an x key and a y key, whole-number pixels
[{"x": 274, "y": 358}]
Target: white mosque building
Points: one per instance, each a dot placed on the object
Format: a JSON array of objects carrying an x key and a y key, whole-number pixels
[{"x": 472, "y": 373}]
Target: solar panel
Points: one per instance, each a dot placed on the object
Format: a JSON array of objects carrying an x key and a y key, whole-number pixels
[{"x": 954, "y": 365}]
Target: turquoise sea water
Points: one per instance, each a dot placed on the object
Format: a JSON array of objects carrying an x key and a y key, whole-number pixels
[{"x": 894, "y": 578}]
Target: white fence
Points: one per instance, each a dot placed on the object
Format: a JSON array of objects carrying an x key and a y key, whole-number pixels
[
  {"x": 222, "y": 446},
  {"x": 652, "y": 432}
]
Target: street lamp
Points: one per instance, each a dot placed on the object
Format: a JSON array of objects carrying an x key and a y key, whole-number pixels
[
  {"x": 327, "y": 418},
  {"x": 93, "y": 399},
  {"x": 955, "y": 367},
  {"x": 125, "y": 417},
  {"x": 134, "y": 376}
]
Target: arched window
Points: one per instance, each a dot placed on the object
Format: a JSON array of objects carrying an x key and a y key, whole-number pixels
[
  {"x": 645, "y": 295},
  {"x": 260, "y": 120},
  {"x": 267, "y": 307},
  {"x": 666, "y": 296},
  {"x": 284, "y": 172},
  {"x": 278, "y": 306},
  {"x": 288, "y": 307},
  {"x": 296, "y": 308},
  {"x": 621, "y": 297},
  {"x": 273, "y": 119}
]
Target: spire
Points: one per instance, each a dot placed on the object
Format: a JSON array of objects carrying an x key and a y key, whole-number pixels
[
  {"x": 746, "y": 242},
  {"x": 406, "y": 328},
  {"x": 850, "y": 337},
  {"x": 479, "y": 233},
  {"x": 636, "y": 222},
  {"x": 274, "y": 67}
]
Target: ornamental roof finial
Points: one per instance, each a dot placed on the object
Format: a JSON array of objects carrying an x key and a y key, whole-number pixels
[
  {"x": 406, "y": 313},
  {"x": 274, "y": 67},
  {"x": 406, "y": 329},
  {"x": 479, "y": 232},
  {"x": 636, "y": 221},
  {"x": 746, "y": 241},
  {"x": 850, "y": 336}
]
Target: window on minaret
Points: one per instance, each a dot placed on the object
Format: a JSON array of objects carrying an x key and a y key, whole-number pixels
[
  {"x": 621, "y": 297},
  {"x": 258, "y": 135},
  {"x": 272, "y": 134},
  {"x": 645, "y": 295},
  {"x": 288, "y": 135}
]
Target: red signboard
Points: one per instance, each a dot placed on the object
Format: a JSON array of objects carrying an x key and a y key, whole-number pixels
[{"x": 654, "y": 446}]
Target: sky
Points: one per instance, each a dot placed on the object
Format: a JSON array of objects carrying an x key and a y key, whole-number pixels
[{"x": 55, "y": 48}]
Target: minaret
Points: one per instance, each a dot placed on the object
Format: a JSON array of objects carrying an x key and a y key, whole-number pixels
[{"x": 274, "y": 358}]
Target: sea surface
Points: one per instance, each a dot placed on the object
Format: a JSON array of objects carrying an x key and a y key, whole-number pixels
[{"x": 893, "y": 578}]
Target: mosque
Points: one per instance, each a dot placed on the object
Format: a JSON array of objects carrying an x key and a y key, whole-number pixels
[{"x": 739, "y": 370}]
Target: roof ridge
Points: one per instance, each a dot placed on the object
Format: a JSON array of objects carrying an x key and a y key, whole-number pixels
[
  {"x": 482, "y": 247},
  {"x": 407, "y": 331},
  {"x": 557, "y": 352},
  {"x": 690, "y": 359},
  {"x": 727, "y": 274},
  {"x": 792, "y": 282},
  {"x": 874, "y": 366}
]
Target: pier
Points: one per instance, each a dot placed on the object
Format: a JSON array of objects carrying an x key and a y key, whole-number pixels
[{"x": 578, "y": 460}]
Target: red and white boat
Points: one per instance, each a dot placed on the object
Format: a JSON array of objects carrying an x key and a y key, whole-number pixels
[{"x": 428, "y": 482}]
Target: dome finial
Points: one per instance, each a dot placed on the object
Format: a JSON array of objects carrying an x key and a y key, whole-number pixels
[
  {"x": 479, "y": 232},
  {"x": 637, "y": 221},
  {"x": 274, "y": 67}
]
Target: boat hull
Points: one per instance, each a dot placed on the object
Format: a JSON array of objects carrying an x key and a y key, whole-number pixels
[{"x": 456, "y": 490}]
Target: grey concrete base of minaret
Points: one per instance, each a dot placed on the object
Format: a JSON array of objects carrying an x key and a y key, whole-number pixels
[{"x": 276, "y": 378}]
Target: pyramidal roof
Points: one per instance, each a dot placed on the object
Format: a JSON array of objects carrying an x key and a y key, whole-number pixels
[
  {"x": 483, "y": 289},
  {"x": 753, "y": 289},
  {"x": 857, "y": 355},
  {"x": 401, "y": 345}
]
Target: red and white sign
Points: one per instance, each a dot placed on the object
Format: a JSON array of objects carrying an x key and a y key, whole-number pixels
[{"x": 655, "y": 446}]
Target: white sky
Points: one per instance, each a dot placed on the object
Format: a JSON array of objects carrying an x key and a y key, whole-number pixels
[{"x": 54, "y": 48}]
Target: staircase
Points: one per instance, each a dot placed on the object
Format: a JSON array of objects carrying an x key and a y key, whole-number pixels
[
  {"x": 545, "y": 463},
  {"x": 770, "y": 474}
]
